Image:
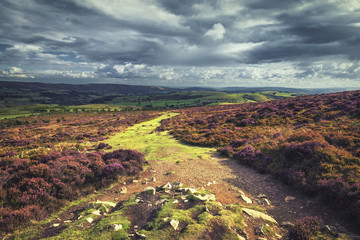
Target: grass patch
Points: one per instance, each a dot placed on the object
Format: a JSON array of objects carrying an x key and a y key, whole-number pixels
[{"x": 155, "y": 145}]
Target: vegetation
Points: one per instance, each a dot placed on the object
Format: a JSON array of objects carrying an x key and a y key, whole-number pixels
[
  {"x": 311, "y": 142},
  {"x": 45, "y": 162}
]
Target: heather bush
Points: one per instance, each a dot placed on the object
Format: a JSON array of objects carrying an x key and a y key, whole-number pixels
[{"x": 305, "y": 228}]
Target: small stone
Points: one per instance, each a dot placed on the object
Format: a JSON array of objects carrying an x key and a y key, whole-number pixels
[
  {"x": 89, "y": 220},
  {"x": 153, "y": 179},
  {"x": 177, "y": 185},
  {"x": 137, "y": 200},
  {"x": 176, "y": 202},
  {"x": 240, "y": 237},
  {"x": 123, "y": 190},
  {"x": 166, "y": 219},
  {"x": 117, "y": 227},
  {"x": 166, "y": 186},
  {"x": 96, "y": 213},
  {"x": 56, "y": 224},
  {"x": 289, "y": 198},
  {"x": 145, "y": 183},
  {"x": 140, "y": 235},
  {"x": 174, "y": 223},
  {"x": 262, "y": 196},
  {"x": 150, "y": 205},
  {"x": 67, "y": 221},
  {"x": 150, "y": 190},
  {"x": 110, "y": 204},
  {"x": 246, "y": 199},
  {"x": 287, "y": 224},
  {"x": 136, "y": 226},
  {"x": 135, "y": 181},
  {"x": 161, "y": 201},
  {"x": 191, "y": 191},
  {"x": 206, "y": 197}
]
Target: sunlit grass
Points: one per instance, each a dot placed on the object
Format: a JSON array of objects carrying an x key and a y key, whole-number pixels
[{"x": 156, "y": 145}]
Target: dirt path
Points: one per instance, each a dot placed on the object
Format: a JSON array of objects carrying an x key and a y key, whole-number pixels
[{"x": 171, "y": 161}]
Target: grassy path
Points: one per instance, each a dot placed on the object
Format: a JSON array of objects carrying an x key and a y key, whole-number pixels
[{"x": 157, "y": 145}]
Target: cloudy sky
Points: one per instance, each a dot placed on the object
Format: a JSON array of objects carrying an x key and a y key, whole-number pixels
[{"x": 292, "y": 43}]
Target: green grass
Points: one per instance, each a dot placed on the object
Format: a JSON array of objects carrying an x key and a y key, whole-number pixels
[{"x": 156, "y": 145}]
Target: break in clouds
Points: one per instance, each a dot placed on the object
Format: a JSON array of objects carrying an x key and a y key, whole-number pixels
[{"x": 182, "y": 43}]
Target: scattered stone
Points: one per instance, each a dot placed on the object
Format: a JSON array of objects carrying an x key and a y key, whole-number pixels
[
  {"x": 67, "y": 221},
  {"x": 145, "y": 183},
  {"x": 166, "y": 186},
  {"x": 183, "y": 197},
  {"x": 289, "y": 198},
  {"x": 153, "y": 179},
  {"x": 258, "y": 230},
  {"x": 136, "y": 226},
  {"x": 330, "y": 230},
  {"x": 264, "y": 201},
  {"x": 135, "y": 181},
  {"x": 161, "y": 201},
  {"x": 262, "y": 196},
  {"x": 174, "y": 223},
  {"x": 150, "y": 190},
  {"x": 89, "y": 220},
  {"x": 240, "y": 237},
  {"x": 150, "y": 205},
  {"x": 96, "y": 213},
  {"x": 257, "y": 214},
  {"x": 117, "y": 227},
  {"x": 177, "y": 185},
  {"x": 287, "y": 224},
  {"x": 246, "y": 199},
  {"x": 166, "y": 219},
  {"x": 110, "y": 204},
  {"x": 190, "y": 190},
  {"x": 137, "y": 200},
  {"x": 206, "y": 197},
  {"x": 206, "y": 209},
  {"x": 176, "y": 201},
  {"x": 124, "y": 183},
  {"x": 140, "y": 235},
  {"x": 56, "y": 224}
]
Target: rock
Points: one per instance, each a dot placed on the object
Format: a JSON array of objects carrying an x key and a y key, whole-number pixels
[
  {"x": 96, "y": 213},
  {"x": 135, "y": 181},
  {"x": 190, "y": 190},
  {"x": 110, "y": 204},
  {"x": 258, "y": 230},
  {"x": 174, "y": 223},
  {"x": 150, "y": 190},
  {"x": 67, "y": 221},
  {"x": 161, "y": 201},
  {"x": 246, "y": 199},
  {"x": 257, "y": 214},
  {"x": 330, "y": 230},
  {"x": 289, "y": 198},
  {"x": 140, "y": 235},
  {"x": 56, "y": 224},
  {"x": 153, "y": 179},
  {"x": 166, "y": 186},
  {"x": 240, "y": 237},
  {"x": 264, "y": 201},
  {"x": 137, "y": 200},
  {"x": 176, "y": 201},
  {"x": 177, "y": 185},
  {"x": 206, "y": 197},
  {"x": 89, "y": 220},
  {"x": 287, "y": 224},
  {"x": 262, "y": 196},
  {"x": 123, "y": 190},
  {"x": 117, "y": 227}
]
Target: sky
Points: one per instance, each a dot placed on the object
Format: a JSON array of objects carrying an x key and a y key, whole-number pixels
[{"x": 209, "y": 43}]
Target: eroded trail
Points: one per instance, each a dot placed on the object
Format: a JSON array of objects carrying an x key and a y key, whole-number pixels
[{"x": 172, "y": 161}]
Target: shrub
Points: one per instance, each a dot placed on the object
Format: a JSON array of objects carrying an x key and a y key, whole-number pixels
[{"x": 304, "y": 228}]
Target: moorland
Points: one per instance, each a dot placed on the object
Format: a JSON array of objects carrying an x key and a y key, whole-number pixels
[{"x": 97, "y": 165}]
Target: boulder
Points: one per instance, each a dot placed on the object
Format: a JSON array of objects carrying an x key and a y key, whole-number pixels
[{"x": 259, "y": 215}]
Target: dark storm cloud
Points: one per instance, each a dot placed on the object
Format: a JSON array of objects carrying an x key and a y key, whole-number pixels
[{"x": 161, "y": 40}]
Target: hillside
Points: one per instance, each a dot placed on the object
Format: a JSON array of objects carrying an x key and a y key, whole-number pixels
[{"x": 309, "y": 142}]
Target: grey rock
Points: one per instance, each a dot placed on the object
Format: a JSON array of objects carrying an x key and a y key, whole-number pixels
[
  {"x": 258, "y": 215},
  {"x": 117, "y": 227},
  {"x": 174, "y": 223},
  {"x": 246, "y": 199},
  {"x": 150, "y": 190},
  {"x": 166, "y": 186}
]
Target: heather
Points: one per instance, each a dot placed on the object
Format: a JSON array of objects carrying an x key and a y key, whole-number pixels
[
  {"x": 50, "y": 160},
  {"x": 310, "y": 142}
]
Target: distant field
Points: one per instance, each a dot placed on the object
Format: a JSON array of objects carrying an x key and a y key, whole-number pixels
[{"x": 13, "y": 107}]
